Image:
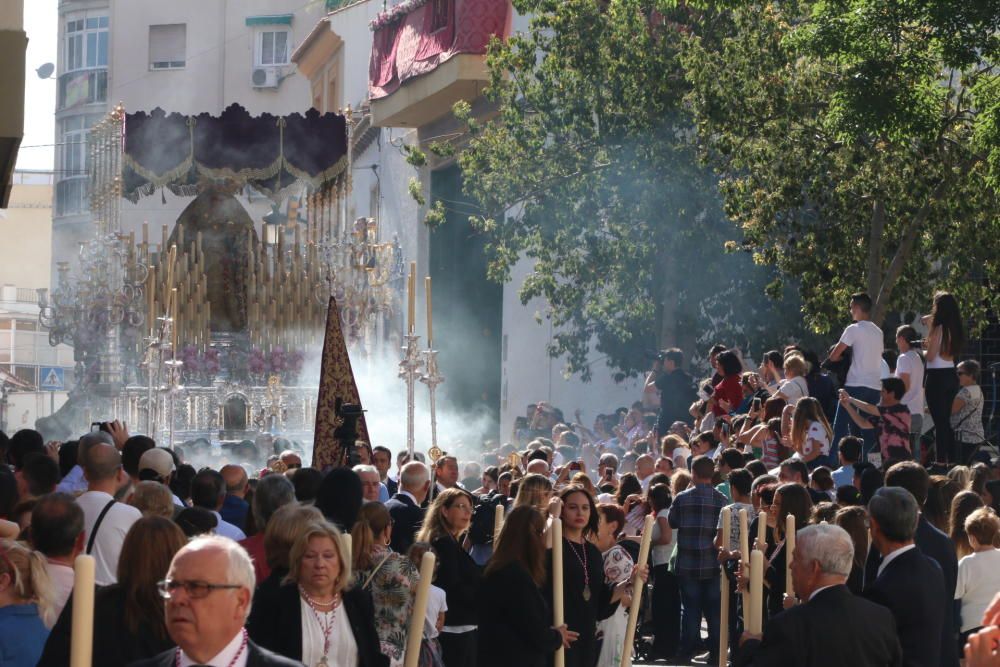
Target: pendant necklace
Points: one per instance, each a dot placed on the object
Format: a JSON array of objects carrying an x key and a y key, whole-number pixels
[
  {"x": 583, "y": 563},
  {"x": 327, "y": 626}
]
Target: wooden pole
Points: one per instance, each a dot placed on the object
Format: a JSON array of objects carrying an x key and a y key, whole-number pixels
[
  {"x": 82, "y": 637},
  {"x": 789, "y": 549},
  {"x": 633, "y": 610},
  {"x": 557, "y": 586},
  {"x": 416, "y": 629},
  {"x": 756, "y": 591},
  {"x": 726, "y": 521}
]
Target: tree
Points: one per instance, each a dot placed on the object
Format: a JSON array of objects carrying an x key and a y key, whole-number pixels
[
  {"x": 588, "y": 171},
  {"x": 857, "y": 146}
]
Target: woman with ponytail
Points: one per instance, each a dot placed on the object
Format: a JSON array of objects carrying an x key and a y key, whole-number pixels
[
  {"x": 390, "y": 578},
  {"x": 26, "y": 604}
]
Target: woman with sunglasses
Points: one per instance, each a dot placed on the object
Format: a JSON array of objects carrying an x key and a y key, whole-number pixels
[
  {"x": 967, "y": 411},
  {"x": 515, "y": 620},
  {"x": 458, "y": 575}
]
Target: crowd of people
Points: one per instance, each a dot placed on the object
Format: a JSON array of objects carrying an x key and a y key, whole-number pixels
[{"x": 894, "y": 506}]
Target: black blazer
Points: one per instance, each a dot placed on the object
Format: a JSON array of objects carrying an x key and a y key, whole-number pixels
[
  {"x": 114, "y": 645},
  {"x": 459, "y": 577},
  {"x": 256, "y": 657},
  {"x": 391, "y": 485},
  {"x": 515, "y": 622},
  {"x": 277, "y": 624},
  {"x": 938, "y": 546},
  {"x": 834, "y": 628},
  {"x": 912, "y": 588},
  {"x": 407, "y": 517}
]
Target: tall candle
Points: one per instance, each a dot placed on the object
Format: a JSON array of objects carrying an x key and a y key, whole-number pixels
[
  {"x": 416, "y": 630},
  {"x": 411, "y": 295},
  {"x": 745, "y": 560},
  {"x": 762, "y": 530},
  {"x": 633, "y": 610},
  {"x": 430, "y": 326},
  {"x": 557, "y": 586},
  {"x": 789, "y": 553},
  {"x": 727, "y": 526},
  {"x": 756, "y": 591},
  {"x": 173, "y": 314},
  {"x": 82, "y": 641},
  {"x": 497, "y": 523}
]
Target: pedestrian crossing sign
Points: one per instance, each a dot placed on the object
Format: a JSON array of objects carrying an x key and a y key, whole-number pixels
[{"x": 53, "y": 378}]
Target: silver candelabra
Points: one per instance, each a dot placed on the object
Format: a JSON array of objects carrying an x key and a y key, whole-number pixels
[{"x": 432, "y": 378}]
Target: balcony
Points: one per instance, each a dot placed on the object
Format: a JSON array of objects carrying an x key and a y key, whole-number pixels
[
  {"x": 13, "y": 45},
  {"x": 429, "y": 54},
  {"x": 83, "y": 87}
]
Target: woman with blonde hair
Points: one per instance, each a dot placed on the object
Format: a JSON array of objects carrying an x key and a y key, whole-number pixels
[
  {"x": 153, "y": 499},
  {"x": 811, "y": 433},
  {"x": 534, "y": 490},
  {"x": 389, "y": 577},
  {"x": 26, "y": 599},
  {"x": 316, "y": 617},
  {"x": 458, "y": 576}
]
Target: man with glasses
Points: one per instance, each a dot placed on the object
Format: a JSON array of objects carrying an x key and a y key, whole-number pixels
[{"x": 208, "y": 591}]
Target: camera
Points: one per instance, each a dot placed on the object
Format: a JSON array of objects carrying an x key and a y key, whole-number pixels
[
  {"x": 346, "y": 434},
  {"x": 653, "y": 355}
]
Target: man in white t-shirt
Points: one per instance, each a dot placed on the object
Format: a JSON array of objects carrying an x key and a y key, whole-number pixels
[
  {"x": 910, "y": 369},
  {"x": 105, "y": 521},
  {"x": 865, "y": 373}
]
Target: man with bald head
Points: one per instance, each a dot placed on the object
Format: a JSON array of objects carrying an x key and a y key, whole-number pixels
[
  {"x": 106, "y": 521},
  {"x": 234, "y": 507},
  {"x": 74, "y": 482},
  {"x": 208, "y": 591},
  {"x": 645, "y": 468}
]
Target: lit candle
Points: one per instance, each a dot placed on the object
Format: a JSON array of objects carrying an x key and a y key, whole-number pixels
[
  {"x": 82, "y": 641},
  {"x": 633, "y": 610},
  {"x": 789, "y": 553},
  {"x": 557, "y": 586},
  {"x": 497, "y": 520},
  {"x": 727, "y": 528},
  {"x": 416, "y": 629},
  {"x": 411, "y": 295},
  {"x": 430, "y": 327},
  {"x": 756, "y": 591}
]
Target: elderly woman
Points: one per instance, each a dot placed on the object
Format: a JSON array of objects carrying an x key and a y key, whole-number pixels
[
  {"x": 390, "y": 578},
  {"x": 458, "y": 575},
  {"x": 153, "y": 499},
  {"x": 315, "y": 617},
  {"x": 967, "y": 411}
]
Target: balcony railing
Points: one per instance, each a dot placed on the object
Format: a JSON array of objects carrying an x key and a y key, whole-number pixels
[
  {"x": 83, "y": 87},
  {"x": 417, "y": 36}
]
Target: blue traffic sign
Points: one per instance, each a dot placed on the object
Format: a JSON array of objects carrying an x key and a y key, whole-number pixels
[{"x": 53, "y": 378}]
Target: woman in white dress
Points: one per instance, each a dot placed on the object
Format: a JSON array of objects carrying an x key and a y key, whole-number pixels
[{"x": 618, "y": 567}]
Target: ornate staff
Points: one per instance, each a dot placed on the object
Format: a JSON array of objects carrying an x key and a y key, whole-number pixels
[
  {"x": 431, "y": 377},
  {"x": 409, "y": 367}
]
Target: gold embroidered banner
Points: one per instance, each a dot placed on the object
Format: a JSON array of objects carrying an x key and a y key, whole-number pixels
[{"x": 336, "y": 381}]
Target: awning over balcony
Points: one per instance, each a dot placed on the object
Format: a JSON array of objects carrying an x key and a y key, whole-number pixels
[
  {"x": 268, "y": 152},
  {"x": 416, "y": 36}
]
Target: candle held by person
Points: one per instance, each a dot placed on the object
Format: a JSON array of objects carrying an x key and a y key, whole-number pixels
[
  {"x": 633, "y": 611},
  {"x": 416, "y": 630},
  {"x": 789, "y": 554},
  {"x": 756, "y": 591},
  {"x": 497, "y": 522},
  {"x": 725, "y": 520},
  {"x": 81, "y": 644},
  {"x": 558, "y": 615}
]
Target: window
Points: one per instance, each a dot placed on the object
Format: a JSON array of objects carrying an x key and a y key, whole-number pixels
[
  {"x": 86, "y": 43},
  {"x": 439, "y": 19},
  {"x": 167, "y": 46},
  {"x": 71, "y": 185},
  {"x": 272, "y": 47}
]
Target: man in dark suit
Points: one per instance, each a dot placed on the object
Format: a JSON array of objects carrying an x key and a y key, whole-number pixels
[
  {"x": 405, "y": 507},
  {"x": 907, "y": 582},
  {"x": 931, "y": 542},
  {"x": 382, "y": 460},
  {"x": 832, "y": 626},
  {"x": 210, "y": 585}
]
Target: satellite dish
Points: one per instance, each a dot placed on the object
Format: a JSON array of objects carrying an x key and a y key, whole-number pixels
[{"x": 45, "y": 71}]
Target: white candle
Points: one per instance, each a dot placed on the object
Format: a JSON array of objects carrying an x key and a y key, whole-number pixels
[
  {"x": 726, "y": 521},
  {"x": 756, "y": 591},
  {"x": 82, "y": 638},
  {"x": 497, "y": 524},
  {"x": 416, "y": 629},
  {"x": 789, "y": 551},
  {"x": 633, "y": 610},
  {"x": 762, "y": 530},
  {"x": 557, "y": 586},
  {"x": 745, "y": 562}
]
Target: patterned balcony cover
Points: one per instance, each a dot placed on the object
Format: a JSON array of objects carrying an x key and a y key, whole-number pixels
[
  {"x": 269, "y": 152},
  {"x": 416, "y": 36}
]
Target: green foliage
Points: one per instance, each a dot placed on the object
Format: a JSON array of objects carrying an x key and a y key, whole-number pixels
[
  {"x": 415, "y": 188},
  {"x": 858, "y": 145},
  {"x": 589, "y": 173}
]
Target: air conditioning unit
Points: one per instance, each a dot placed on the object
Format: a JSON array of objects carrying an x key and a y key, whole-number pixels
[{"x": 265, "y": 77}]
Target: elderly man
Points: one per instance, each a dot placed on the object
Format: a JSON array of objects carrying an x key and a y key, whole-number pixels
[
  {"x": 371, "y": 485},
  {"x": 208, "y": 591},
  {"x": 832, "y": 627},
  {"x": 910, "y": 584},
  {"x": 404, "y": 507}
]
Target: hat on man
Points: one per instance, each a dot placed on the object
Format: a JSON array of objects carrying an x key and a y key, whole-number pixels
[{"x": 158, "y": 460}]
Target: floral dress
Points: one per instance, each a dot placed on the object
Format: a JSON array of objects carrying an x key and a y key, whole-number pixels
[
  {"x": 618, "y": 567},
  {"x": 392, "y": 583}
]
